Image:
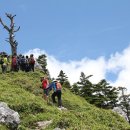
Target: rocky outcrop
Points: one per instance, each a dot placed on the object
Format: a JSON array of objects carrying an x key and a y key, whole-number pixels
[
  {"x": 120, "y": 112},
  {"x": 8, "y": 116}
]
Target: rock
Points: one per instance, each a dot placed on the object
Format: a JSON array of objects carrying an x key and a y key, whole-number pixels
[
  {"x": 120, "y": 112},
  {"x": 38, "y": 66},
  {"x": 59, "y": 129},
  {"x": 9, "y": 116},
  {"x": 43, "y": 124}
]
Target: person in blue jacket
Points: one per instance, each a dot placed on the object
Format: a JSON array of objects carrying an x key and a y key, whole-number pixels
[{"x": 56, "y": 86}]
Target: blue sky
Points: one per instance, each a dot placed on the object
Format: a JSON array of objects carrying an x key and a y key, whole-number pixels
[
  {"x": 69, "y": 29},
  {"x": 92, "y": 36}
]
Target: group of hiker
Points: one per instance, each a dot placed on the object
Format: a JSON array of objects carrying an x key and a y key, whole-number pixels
[
  {"x": 16, "y": 63},
  {"x": 55, "y": 86},
  {"x": 26, "y": 63}
]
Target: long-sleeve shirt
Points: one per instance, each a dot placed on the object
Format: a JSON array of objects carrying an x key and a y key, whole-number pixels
[{"x": 53, "y": 86}]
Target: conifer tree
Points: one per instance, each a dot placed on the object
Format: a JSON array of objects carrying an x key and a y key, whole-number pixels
[
  {"x": 105, "y": 96},
  {"x": 66, "y": 84},
  {"x": 85, "y": 87},
  {"x": 62, "y": 77},
  {"x": 42, "y": 60},
  {"x": 75, "y": 89}
]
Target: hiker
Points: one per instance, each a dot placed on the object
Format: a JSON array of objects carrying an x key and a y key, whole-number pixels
[
  {"x": 31, "y": 62},
  {"x": 14, "y": 63},
  {"x": 9, "y": 62},
  {"x": 57, "y": 92},
  {"x": 1, "y": 61},
  {"x": 23, "y": 63},
  {"x": 27, "y": 67},
  {"x": 45, "y": 84},
  {"x": 19, "y": 57},
  {"x": 5, "y": 63}
]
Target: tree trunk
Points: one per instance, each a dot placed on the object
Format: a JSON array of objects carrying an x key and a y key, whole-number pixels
[{"x": 14, "y": 50}]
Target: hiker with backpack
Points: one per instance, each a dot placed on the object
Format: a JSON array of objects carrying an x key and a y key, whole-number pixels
[
  {"x": 14, "y": 63},
  {"x": 45, "y": 84},
  {"x": 5, "y": 64},
  {"x": 27, "y": 68},
  {"x": 31, "y": 62},
  {"x": 23, "y": 63},
  {"x": 19, "y": 57},
  {"x": 57, "y": 92}
]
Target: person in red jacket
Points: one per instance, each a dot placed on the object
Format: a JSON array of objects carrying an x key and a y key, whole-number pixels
[{"x": 45, "y": 84}]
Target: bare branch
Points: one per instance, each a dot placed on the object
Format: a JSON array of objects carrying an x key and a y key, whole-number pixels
[
  {"x": 17, "y": 29},
  {"x": 6, "y": 40},
  {"x": 10, "y": 16},
  {"x": 14, "y": 15},
  {"x": 6, "y": 27}
]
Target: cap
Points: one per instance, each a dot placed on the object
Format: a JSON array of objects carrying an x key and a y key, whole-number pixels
[{"x": 54, "y": 80}]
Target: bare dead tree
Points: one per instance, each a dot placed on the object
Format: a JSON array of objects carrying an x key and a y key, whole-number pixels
[{"x": 11, "y": 30}]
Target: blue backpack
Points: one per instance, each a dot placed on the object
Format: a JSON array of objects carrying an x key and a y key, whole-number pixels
[
  {"x": 52, "y": 86},
  {"x": 23, "y": 60}
]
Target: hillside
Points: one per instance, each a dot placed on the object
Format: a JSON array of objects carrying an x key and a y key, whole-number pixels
[{"x": 22, "y": 93}]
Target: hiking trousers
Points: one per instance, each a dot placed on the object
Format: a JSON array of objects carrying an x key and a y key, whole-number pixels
[{"x": 58, "y": 94}]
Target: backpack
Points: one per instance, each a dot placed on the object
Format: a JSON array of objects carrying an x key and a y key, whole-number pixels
[
  {"x": 32, "y": 61},
  {"x": 1, "y": 61},
  {"x": 14, "y": 61},
  {"x": 52, "y": 86},
  {"x": 23, "y": 60},
  {"x": 58, "y": 86}
]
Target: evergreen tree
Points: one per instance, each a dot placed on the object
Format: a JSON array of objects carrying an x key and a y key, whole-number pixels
[
  {"x": 66, "y": 84},
  {"x": 85, "y": 87},
  {"x": 124, "y": 103},
  {"x": 104, "y": 95},
  {"x": 62, "y": 78},
  {"x": 75, "y": 89},
  {"x": 42, "y": 60}
]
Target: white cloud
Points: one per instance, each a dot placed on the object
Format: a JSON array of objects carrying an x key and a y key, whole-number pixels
[
  {"x": 74, "y": 68},
  {"x": 118, "y": 63}
]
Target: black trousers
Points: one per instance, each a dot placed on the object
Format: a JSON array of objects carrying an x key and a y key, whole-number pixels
[
  {"x": 58, "y": 94},
  {"x": 31, "y": 67}
]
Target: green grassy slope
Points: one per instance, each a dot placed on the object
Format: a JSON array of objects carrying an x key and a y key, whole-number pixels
[{"x": 22, "y": 93}]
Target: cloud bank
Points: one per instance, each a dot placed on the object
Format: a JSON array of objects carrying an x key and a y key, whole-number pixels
[{"x": 118, "y": 64}]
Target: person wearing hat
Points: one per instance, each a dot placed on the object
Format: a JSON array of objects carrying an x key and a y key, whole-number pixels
[
  {"x": 53, "y": 86},
  {"x": 57, "y": 92}
]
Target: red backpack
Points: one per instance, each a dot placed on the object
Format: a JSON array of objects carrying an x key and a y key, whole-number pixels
[
  {"x": 32, "y": 61},
  {"x": 14, "y": 61}
]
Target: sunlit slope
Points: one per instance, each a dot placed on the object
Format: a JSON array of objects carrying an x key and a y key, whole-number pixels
[{"x": 22, "y": 93}]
